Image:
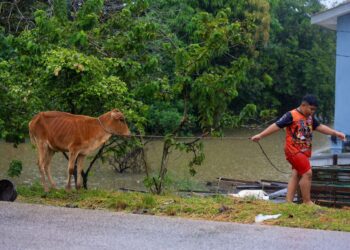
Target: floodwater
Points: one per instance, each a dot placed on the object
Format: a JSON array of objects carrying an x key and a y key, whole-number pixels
[{"x": 234, "y": 157}]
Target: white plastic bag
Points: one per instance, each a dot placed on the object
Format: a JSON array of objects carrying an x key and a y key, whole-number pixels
[
  {"x": 257, "y": 194},
  {"x": 262, "y": 217}
]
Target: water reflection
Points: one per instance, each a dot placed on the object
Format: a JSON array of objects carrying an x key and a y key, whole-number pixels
[{"x": 235, "y": 157}]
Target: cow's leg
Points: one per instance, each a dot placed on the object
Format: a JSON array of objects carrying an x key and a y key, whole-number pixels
[
  {"x": 80, "y": 161},
  {"x": 42, "y": 151},
  {"x": 48, "y": 158},
  {"x": 72, "y": 157}
]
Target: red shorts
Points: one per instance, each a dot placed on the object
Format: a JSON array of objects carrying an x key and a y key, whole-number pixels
[{"x": 300, "y": 162}]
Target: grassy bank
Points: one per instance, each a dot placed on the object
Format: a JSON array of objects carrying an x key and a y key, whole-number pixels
[{"x": 218, "y": 208}]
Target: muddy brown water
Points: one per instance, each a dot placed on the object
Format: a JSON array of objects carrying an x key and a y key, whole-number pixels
[{"x": 235, "y": 157}]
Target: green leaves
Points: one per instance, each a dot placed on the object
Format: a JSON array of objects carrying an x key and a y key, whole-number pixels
[
  {"x": 169, "y": 65},
  {"x": 15, "y": 168},
  {"x": 60, "y": 10},
  {"x": 79, "y": 83},
  {"x": 88, "y": 15},
  {"x": 162, "y": 57}
]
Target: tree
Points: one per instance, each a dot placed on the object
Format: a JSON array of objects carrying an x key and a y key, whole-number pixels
[
  {"x": 298, "y": 59},
  {"x": 173, "y": 67}
]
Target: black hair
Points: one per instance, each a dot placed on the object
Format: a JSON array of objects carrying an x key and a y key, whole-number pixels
[{"x": 310, "y": 99}]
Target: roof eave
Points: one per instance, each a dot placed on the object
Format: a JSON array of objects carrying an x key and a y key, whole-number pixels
[{"x": 328, "y": 18}]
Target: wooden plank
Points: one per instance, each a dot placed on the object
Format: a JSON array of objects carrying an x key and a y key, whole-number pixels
[
  {"x": 331, "y": 185},
  {"x": 344, "y": 169},
  {"x": 324, "y": 160},
  {"x": 332, "y": 203},
  {"x": 281, "y": 184},
  {"x": 235, "y": 180}
]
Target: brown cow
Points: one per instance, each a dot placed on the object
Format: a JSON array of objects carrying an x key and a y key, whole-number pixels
[{"x": 79, "y": 135}]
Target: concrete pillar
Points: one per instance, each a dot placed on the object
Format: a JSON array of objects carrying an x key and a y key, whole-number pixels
[{"x": 342, "y": 87}]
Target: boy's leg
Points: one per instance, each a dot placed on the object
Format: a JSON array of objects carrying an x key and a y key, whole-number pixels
[
  {"x": 305, "y": 187},
  {"x": 292, "y": 186},
  {"x": 301, "y": 165}
]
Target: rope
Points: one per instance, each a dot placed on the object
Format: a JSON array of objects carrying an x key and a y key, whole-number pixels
[
  {"x": 215, "y": 138},
  {"x": 104, "y": 128},
  {"x": 193, "y": 137},
  {"x": 273, "y": 165}
]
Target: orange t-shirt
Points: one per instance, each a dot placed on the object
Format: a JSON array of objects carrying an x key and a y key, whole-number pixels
[{"x": 298, "y": 132}]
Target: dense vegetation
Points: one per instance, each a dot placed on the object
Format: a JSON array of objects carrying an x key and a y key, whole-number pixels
[
  {"x": 219, "y": 63},
  {"x": 174, "y": 67}
]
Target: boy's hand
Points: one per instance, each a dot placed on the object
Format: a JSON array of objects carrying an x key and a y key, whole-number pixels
[
  {"x": 256, "y": 138},
  {"x": 340, "y": 135}
]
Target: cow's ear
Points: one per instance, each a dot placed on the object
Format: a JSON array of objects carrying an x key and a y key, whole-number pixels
[{"x": 116, "y": 114}]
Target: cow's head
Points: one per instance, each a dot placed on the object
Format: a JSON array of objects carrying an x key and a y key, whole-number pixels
[{"x": 118, "y": 124}]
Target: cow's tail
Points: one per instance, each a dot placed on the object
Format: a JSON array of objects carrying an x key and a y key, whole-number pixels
[
  {"x": 30, "y": 126},
  {"x": 32, "y": 137}
]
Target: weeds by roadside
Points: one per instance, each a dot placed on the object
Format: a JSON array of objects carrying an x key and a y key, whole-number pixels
[{"x": 218, "y": 208}]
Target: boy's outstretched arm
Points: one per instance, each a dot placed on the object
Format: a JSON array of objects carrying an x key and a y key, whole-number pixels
[
  {"x": 329, "y": 131},
  {"x": 269, "y": 130}
]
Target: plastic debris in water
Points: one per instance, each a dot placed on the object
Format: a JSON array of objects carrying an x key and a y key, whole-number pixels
[
  {"x": 262, "y": 217},
  {"x": 278, "y": 193}
]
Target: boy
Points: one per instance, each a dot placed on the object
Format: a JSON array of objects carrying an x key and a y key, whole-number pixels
[{"x": 299, "y": 124}]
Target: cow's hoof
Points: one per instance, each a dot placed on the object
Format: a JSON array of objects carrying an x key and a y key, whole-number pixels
[{"x": 67, "y": 188}]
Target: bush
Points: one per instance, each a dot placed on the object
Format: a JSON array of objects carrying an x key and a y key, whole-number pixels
[{"x": 15, "y": 168}]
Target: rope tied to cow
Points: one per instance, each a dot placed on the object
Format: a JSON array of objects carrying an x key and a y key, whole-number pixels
[
  {"x": 192, "y": 137},
  {"x": 216, "y": 138},
  {"x": 104, "y": 128}
]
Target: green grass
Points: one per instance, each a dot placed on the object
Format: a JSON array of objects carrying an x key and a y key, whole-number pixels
[{"x": 217, "y": 208}]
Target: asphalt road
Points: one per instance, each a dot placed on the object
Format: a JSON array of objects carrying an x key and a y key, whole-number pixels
[{"x": 25, "y": 226}]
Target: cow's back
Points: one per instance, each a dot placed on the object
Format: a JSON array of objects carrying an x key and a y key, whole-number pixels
[{"x": 59, "y": 130}]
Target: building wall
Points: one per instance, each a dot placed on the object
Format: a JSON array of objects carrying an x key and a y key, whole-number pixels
[{"x": 342, "y": 86}]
